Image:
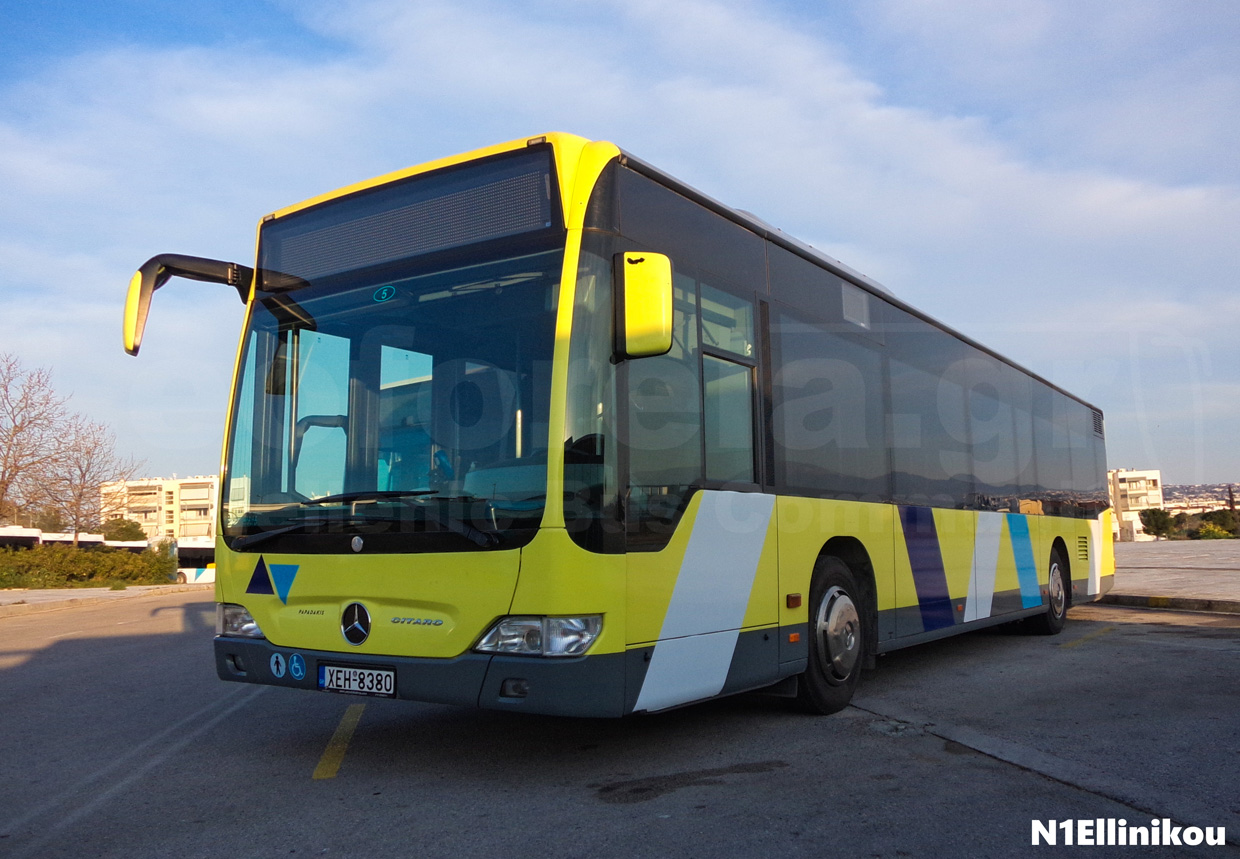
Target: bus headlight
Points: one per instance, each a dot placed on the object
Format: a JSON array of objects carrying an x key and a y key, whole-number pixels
[
  {"x": 542, "y": 636},
  {"x": 231, "y": 619}
]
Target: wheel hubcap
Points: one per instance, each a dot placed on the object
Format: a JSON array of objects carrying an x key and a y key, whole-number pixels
[
  {"x": 839, "y": 639},
  {"x": 1055, "y": 586}
]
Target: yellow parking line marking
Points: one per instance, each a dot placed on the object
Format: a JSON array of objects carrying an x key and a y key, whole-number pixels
[
  {"x": 1087, "y": 636},
  {"x": 333, "y": 755}
]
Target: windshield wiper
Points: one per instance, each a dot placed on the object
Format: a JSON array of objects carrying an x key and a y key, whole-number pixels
[
  {"x": 477, "y": 536},
  {"x": 245, "y": 541},
  {"x": 485, "y": 539},
  {"x": 369, "y": 495}
]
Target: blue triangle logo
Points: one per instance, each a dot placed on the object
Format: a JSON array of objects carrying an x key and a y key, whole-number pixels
[
  {"x": 283, "y": 575},
  {"x": 260, "y": 582}
]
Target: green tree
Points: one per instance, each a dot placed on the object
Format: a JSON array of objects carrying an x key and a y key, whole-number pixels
[
  {"x": 1157, "y": 522},
  {"x": 47, "y": 519},
  {"x": 123, "y": 529}
]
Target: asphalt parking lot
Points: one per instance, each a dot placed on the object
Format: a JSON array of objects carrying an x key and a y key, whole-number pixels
[{"x": 120, "y": 741}]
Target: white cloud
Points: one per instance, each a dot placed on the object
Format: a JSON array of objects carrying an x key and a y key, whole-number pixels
[{"x": 1141, "y": 87}]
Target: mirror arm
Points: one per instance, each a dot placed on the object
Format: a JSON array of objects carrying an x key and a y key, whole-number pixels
[
  {"x": 239, "y": 277},
  {"x": 156, "y": 271}
]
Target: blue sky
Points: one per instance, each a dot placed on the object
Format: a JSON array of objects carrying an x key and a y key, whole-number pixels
[{"x": 1056, "y": 179}]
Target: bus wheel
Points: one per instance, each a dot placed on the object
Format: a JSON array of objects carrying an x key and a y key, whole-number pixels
[
  {"x": 181, "y": 578},
  {"x": 836, "y": 639},
  {"x": 1052, "y": 621}
]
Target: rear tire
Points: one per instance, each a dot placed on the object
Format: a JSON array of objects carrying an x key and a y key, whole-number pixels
[
  {"x": 181, "y": 578},
  {"x": 837, "y": 638},
  {"x": 1052, "y": 621}
]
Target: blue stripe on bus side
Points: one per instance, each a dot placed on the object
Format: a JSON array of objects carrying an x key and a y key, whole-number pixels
[
  {"x": 1026, "y": 569},
  {"x": 924, "y": 556}
]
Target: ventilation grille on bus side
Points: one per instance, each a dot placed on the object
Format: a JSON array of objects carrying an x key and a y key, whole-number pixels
[
  {"x": 1097, "y": 422},
  {"x": 1082, "y": 549}
]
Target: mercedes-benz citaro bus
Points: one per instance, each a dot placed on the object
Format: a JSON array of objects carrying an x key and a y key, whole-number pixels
[{"x": 540, "y": 428}]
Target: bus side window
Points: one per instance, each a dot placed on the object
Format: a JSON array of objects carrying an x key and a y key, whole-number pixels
[
  {"x": 932, "y": 461},
  {"x": 728, "y": 420},
  {"x": 727, "y": 385},
  {"x": 827, "y": 410}
]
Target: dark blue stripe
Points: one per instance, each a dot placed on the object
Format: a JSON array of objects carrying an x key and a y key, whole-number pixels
[{"x": 926, "y": 559}]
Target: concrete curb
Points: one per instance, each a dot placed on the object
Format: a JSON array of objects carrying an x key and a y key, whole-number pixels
[
  {"x": 1180, "y": 603},
  {"x": 23, "y": 608}
]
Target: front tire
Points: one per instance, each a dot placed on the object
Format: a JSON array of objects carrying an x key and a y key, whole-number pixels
[
  {"x": 1052, "y": 621},
  {"x": 836, "y": 639}
]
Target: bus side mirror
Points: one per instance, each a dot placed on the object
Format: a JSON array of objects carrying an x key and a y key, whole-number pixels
[
  {"x": 156, "y": 271},
  {"x": 643, "y": 304}
]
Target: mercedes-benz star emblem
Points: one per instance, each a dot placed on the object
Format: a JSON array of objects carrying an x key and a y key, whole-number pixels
[{"x": 355, "y": 623}]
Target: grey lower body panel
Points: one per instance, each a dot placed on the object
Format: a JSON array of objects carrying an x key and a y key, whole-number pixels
[{"x": 585, "y": 686}]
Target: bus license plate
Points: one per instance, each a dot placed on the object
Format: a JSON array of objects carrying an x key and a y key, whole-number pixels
[{"x": 357, "y": 681}]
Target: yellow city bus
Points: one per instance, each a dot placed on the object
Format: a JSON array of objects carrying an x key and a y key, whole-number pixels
[{"x": 541, "y": 428}]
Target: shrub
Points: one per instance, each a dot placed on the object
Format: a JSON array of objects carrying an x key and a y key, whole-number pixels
[
  {"x": 67, "y": 567},
  {"x": 1225, "y": 519},
  {"x": 1210, "y": 531}
]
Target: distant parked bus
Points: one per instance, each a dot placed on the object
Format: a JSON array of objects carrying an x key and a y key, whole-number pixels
[
  {"x": 196, "y": 575},
  {"x": 17, "y": 537},
  {"x": 541, "y": 428}
]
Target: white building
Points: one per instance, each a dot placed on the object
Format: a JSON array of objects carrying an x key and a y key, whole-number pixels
[
  {"x": 1131, "y": 492},
  {"x": 182, "y": 509}
]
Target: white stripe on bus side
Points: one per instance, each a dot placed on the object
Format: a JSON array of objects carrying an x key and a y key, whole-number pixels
[
  {"x": 1095, "y": 557},
  {"x": 985, "y": 566},
  {"x": 699, "y": 632}
]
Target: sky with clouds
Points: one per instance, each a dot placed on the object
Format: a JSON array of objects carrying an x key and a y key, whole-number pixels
[{"x": 1056, "y": 179}]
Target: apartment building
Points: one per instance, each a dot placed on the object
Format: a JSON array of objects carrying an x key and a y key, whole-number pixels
[
  {"x": 178, "y": 508},
  {"x": 1131, "y": 492}
]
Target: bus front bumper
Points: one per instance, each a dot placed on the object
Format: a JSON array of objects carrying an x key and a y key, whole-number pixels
[{"x": 583, "y": 686}]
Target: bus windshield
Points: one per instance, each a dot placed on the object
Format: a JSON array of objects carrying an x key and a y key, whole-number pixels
[
  {"x": 413, "y": 405},
  {"x": 395, "y": 375}
]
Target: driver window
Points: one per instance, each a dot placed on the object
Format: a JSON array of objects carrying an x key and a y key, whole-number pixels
[{"x": 665, "y": 423}]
